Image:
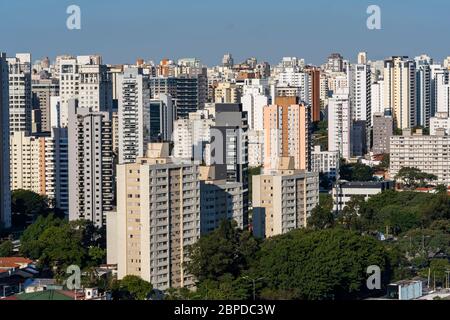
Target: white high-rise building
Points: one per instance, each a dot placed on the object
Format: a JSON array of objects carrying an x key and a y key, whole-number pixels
[
  {"x": 85, "y": 79},
  {"x": 423, "y": 84},
  {"x": 377, "y": 98},
  {"x": 91, "y": 165},
  {"x": 339, "y": 124},
  {"x": 439, "y": 76},
  {"x": 255, "y": 148},
  {"x": 191, "y": 136},
  {"x": 20, "y": 94},
  {"x": 360, "y": 93},
  {"x": 299, "y": 80},
  {"x": 5, "y": 190},
  {"x": 442, "y": 91},
  {"x": 255, "y": 97},
  {"x": 134, "y": 115}
]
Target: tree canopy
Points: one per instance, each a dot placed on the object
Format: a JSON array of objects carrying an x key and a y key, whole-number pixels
[
  {"x": 355, "y": 172},
  {"x": 318, "y": 265},
  {"x": 27, "y": 205},
  {"x": 413, "y": 178},
  {"x": 59, "y": 243}
]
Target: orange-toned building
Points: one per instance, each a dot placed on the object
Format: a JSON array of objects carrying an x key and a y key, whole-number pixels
[
  {"x": 287, "y": 133},
  {"x": 314, "y": 74}
]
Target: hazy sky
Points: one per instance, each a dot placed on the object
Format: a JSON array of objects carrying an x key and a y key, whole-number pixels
[{"x": 122, "y": 30}]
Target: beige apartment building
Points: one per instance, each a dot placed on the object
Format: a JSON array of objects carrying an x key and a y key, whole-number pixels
[
  {"x": 287, "y": 133},
  {"x": 39, "y": 164},
  {"x": 226, "y": 92},
  {"x": 283, "y": 200},
  {"x": 430, "y": 154},
  {"x": 400, "y": 91},
  {"x": 156, "y": 219}
]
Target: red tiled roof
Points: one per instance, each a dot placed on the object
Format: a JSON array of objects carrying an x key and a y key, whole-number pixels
[{"x": 13, "y": 262}]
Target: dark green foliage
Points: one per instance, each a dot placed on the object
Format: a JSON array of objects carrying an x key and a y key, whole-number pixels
[
  {"x": 27, "y": 205},
  {"x": 6, "y": 249},
  {"x": 59, "y": 243},
  {"x": 322, "y": 216},
  {"x": 132, "y": 288},
  {"x": 356, "y": 172},
  {"x": 227, "y": 250},
  {"x": 318, "y": 265}
]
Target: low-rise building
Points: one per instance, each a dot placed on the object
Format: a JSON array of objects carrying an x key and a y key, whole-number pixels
[{"x": 344, "y": 191}]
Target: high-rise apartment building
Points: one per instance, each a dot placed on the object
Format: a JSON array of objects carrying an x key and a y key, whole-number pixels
[
  {"x": 87, "y": 80},
  {"x": 423, "y": 87},
  {"x": 43, "y": 90},
  {"x": 314, "y": 82},
  {"x": 287, "y": 133},
  {"x": 360, "y": 93},
  {"x": 134, "y": 115},
  {"x": 191, "y": 136},
  {"x": 219, "y": 200},
  {"x": 20, "y": 96},
  {"x": 5, "y": 191},
  {"x": 162, "y": 116},
  {"x": 340, "y": 124},
  {"x": 39, "y": 163},
  {"x": 227, "y": 92},
  {"x": 157, "y": 218},
  {"x": 383, "y": 127},
  {"x": 229, "y": 147},
  {"x": 283, "y": 202},
  {"x": 91, "y": 164},
  {"x": 255, "y": 97},
  {"x": 377, "y": 98},
  {"x": 400, "y": 91}
]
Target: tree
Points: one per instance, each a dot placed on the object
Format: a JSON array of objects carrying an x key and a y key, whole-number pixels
[
  {"x": 322, "y": 216},
  {"x": 356, "y": 172},
  {"x": 437, "y": 269},
  {"x": 59, "y": 243},
  {"x": 61, "y": 246},
  {"x": 6, "y": 249},
  {"x": 227, "y": 250},
  {"x": 385, "y": 162},
  {"x": 134, "y": 288},
  {"x": 26, "y": 205},
  {"x": 349, "y": 216},
  {"x": 30, "y": 245},
  {"x": 319, "y": 265},
  {"x": 413, "y": 178}
]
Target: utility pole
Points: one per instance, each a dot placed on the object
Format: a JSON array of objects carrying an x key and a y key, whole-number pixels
[
  {"x": 447, "y": 279},
  {"x": 253, "y": 280}
]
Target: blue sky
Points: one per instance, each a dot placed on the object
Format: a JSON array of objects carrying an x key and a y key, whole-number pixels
[{"x": 122, "y": 30}]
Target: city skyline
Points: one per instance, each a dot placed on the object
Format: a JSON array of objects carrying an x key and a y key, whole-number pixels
[{"x": 206, "y": 30}]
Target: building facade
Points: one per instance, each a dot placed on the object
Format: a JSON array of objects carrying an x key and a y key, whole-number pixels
[
  {"x": 5, "y": 190},
  {"x": 91, "y": 165}
]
